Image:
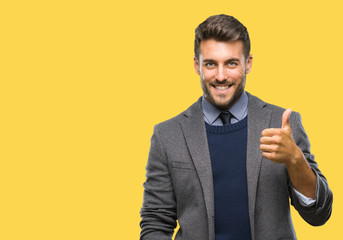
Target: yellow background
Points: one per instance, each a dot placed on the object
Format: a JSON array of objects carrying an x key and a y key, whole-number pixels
[{"x": 84, "y": 82}]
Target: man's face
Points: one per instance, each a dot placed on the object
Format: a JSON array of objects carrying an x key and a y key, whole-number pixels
[{"x": 222, "y": 68}]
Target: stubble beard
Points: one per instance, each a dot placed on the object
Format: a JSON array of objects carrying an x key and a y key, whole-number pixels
[{"x": 227, "y": 104}]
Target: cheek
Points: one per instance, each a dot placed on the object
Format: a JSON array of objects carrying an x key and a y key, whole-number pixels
[
  {"x": 207, "y": 75},
  {"x": 236, "y": 73}
]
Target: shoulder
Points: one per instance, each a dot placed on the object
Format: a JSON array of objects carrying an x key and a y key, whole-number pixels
[
  {"x": 255, "y": 101},
  {"x": 171, "y": 124},
  {"x": 276, "y": 111}
]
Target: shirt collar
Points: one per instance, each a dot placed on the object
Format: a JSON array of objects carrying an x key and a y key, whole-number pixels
[{"x": 239, "y": 109}]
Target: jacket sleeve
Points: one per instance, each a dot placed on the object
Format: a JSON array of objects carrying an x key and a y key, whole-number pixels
[
  {"x": 320, "y": 212},
  {"x": 158, "y": 212}
]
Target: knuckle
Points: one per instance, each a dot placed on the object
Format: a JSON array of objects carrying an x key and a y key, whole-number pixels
[
  {"x": 277, "y": 139},
  {"x": 270, "y": 154}
]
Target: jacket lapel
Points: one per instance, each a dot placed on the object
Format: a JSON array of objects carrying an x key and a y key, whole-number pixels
[
  {"x": 258, "y": 120},
  {"x": 193, "y": 127}
]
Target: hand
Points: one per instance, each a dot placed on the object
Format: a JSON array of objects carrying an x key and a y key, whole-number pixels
[{"x": 278, "y": 144}]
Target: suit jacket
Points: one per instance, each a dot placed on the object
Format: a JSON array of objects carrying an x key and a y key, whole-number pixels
[{"x": 179, "y": 181}]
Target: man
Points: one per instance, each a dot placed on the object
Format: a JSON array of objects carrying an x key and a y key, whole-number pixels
[{"x": 226, "y": 167}]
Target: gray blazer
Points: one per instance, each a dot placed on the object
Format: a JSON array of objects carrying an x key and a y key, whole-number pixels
[{"x": 179, "y": 183}]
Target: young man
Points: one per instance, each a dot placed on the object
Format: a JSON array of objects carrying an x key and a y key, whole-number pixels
[{"x": 226, "y": 167}]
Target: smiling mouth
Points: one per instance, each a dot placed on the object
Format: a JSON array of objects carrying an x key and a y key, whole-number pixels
[{"x": 222, "y": 87}]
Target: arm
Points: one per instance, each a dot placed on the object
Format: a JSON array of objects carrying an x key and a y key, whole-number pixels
[
  {"x": 159, "y": 206},
  {"x": 320, "y": 212},
  {"x": 301, "y": 175},
  {"x": 278, "y": 145}
]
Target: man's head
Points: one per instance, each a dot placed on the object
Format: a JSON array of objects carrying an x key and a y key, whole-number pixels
[
  {"x": 222, "y": 28},
  {"x": 222, "y": 59}
]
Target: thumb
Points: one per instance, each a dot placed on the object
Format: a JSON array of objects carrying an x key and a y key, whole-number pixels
[{"x": 285, "y": 119}]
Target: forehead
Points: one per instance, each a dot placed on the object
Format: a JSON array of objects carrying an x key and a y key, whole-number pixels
[{"x": 217, "y": 50}]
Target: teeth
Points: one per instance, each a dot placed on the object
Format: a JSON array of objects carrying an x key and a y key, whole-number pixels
[{"x": 221, "y": 88}]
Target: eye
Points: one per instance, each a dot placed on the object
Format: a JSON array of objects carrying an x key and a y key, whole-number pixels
[
  {"x": 232, "y": 64},
  {"x": 209, "y": 64}
]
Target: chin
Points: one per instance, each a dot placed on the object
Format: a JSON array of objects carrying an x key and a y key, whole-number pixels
[{"x": 222, "y": 104}]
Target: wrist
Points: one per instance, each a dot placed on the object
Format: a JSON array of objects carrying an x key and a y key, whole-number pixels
[{"x": 297, "y": 158}]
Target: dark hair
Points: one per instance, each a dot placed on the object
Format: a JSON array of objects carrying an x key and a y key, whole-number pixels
[{"x": 221, "y": 28}]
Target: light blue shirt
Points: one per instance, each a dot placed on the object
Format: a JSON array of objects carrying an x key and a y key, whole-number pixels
[{"x": 239, "y": 110}]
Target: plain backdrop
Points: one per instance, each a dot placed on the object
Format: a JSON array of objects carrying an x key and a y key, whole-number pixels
[{"x": 82, "y": 83}]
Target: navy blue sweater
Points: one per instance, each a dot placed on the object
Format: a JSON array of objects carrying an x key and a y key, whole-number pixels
[{"x": 228, "y": 148}]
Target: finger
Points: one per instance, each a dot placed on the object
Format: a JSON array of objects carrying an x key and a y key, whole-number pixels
[
  {"x": 269, "y": 132},
  {"x": 268, "y": 147},
  {"x": 285, "y": 119},
  {"x": 269, "y": 155},
  {"x": 268, "y": 140}
]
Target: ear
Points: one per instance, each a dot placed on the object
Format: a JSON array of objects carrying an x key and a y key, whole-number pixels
[
  {"x": 196, "y": 65},
  {"x": 249, "y": 63}
]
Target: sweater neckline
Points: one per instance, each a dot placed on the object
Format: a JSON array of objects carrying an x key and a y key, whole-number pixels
[{"x": 227, "y": 128}]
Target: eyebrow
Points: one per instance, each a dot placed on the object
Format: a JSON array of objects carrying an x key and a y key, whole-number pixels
[{"x": 229, "y": 60}]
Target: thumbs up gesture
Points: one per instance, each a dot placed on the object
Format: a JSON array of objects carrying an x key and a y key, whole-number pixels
[{"x": 278, "y": 145}]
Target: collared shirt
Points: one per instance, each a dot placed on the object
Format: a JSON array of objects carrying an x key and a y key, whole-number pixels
[{"x": 239, "y": 110}]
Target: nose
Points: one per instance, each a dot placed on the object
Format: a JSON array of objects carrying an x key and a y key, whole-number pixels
[{"x": 221, "y": 74}]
